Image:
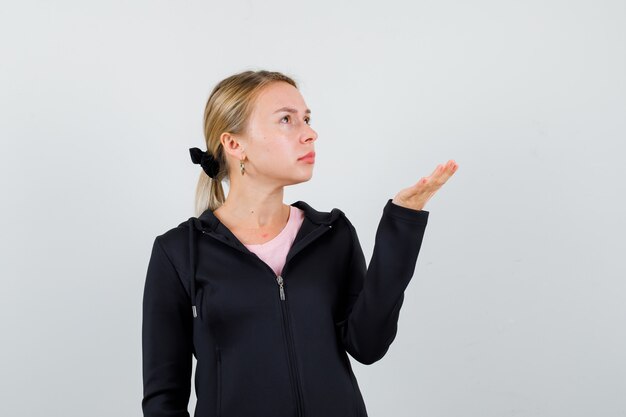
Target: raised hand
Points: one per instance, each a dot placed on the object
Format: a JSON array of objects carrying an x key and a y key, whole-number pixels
[{"x": 416, "y": 195}]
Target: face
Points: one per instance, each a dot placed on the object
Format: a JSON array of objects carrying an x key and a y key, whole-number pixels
[{"x": 279, "y": 133}]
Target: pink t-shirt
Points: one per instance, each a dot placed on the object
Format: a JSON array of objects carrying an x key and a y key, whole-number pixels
[{"x": 274, "y": 252}]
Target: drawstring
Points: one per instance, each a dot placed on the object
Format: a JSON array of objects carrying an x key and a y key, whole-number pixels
[{"x": 192, "y": 267}]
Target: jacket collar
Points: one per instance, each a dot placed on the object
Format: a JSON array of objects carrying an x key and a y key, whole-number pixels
[{"x": 209, "y": 222}]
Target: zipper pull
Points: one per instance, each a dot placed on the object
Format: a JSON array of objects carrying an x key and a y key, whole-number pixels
[{"x": 280, "y": 283}]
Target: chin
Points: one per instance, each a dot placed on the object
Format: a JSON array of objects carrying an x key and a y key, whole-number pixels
[{"x": 300, "y": 179}]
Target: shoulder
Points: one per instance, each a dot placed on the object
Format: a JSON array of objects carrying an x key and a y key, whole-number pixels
[
  {"x": 175, "y": 234},
  {"x": 319, "y": 216},
  {"x": 175, "y": 243}
]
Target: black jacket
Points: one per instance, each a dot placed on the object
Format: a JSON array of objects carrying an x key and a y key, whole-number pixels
[{"x": 266, "y": 345}]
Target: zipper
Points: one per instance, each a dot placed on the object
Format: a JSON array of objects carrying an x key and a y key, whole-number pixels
[
  {"x": 291, "y": 355},
  {"x": 219, "y": 382},
  {"x": 280, "y": 285},
  {"x": 284, "y": 308}
]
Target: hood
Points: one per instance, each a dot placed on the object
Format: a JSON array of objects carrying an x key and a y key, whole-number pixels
[{"x": 315, "y": 223}]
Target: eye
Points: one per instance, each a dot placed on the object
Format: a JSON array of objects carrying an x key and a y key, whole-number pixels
[{"x": 308, "y": 119}]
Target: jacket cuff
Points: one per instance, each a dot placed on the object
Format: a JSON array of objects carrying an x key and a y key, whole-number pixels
[{"x": 405, "y": 213}]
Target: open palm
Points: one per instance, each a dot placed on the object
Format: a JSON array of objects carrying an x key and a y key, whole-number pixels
[{"x": 416, "y": 196}]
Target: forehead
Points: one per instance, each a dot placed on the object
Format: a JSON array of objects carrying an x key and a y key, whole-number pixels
[{"x": 279, "y": 95}]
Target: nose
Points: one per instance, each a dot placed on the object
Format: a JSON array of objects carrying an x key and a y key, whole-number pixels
[{"x": 310, "y": 135}]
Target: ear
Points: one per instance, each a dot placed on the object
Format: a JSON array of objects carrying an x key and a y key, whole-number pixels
[{"x": 232, "y": 145}]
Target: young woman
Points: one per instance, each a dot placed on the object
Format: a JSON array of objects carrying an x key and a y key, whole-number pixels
[{"x": 269, "y": 297}]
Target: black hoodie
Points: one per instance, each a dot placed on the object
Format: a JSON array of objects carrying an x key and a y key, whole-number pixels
[{"x": 268, "y": 345}]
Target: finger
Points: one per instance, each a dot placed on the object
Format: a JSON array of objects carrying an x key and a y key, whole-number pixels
[
  {"x": 429, "y": 181},
  {"x": 425, "y": 185},
  {"x": 418, "y": 187},
  {"x": 451, "y": 168},
  {"x": 437, "y": 178},
  {"x": 440, "y": 176},
  {"x": 436, "y": 170},
  {"x": 446, "y": 172}
]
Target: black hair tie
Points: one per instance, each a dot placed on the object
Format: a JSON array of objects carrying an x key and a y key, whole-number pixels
[{"x": 209, "y": 164}]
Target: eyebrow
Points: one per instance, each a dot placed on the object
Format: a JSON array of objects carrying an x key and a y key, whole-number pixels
[{"x": 291, "y": 110}]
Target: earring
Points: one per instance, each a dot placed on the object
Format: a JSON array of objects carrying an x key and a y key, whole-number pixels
[{"x": 241, "y": 167}]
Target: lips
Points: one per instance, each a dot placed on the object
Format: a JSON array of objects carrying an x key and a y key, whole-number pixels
[{"x": 309, "y": 155}]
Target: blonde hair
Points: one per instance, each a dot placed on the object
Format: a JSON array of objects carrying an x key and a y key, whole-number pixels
[{"x": 227, "y": 110}]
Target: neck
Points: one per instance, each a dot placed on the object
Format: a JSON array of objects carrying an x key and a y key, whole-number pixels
[{"x": 255, "y": 207}]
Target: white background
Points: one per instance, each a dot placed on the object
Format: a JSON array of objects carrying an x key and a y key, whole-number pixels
[{"x": 518, "y": 303}]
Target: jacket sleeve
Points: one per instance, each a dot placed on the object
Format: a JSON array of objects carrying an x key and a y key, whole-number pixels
[
  {"x": 166, "y": 339},
  {"x": 376, "y": 293}
]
